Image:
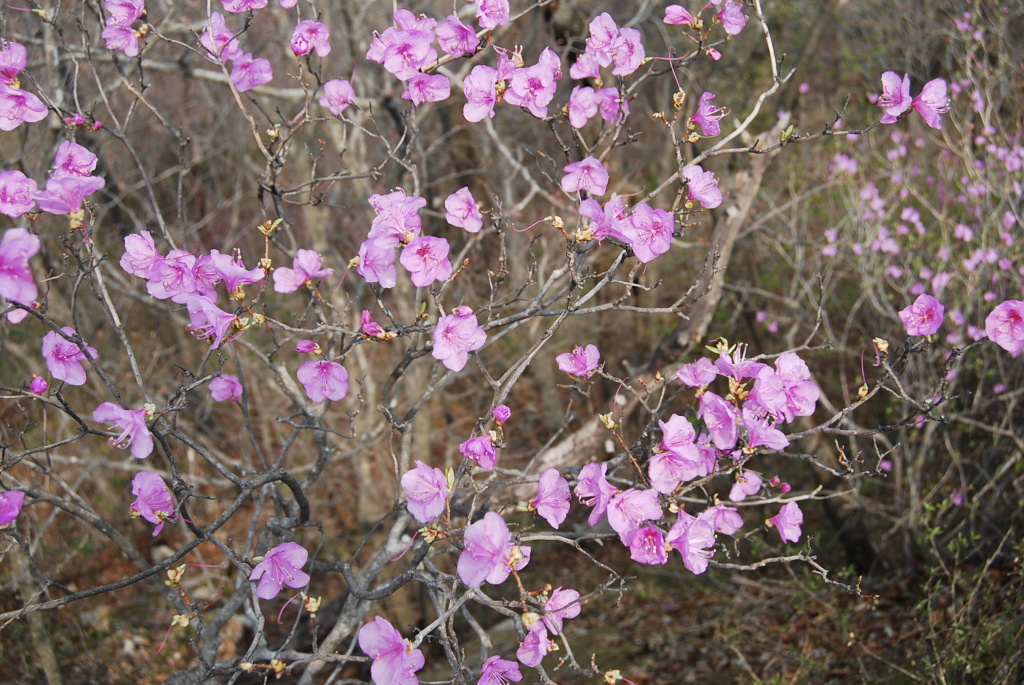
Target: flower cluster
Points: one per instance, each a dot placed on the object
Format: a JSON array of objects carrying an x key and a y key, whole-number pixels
[{"x": 118, "y": 32}]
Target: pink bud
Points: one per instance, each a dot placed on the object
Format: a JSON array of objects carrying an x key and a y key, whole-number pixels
[
  {"x": 38, "y": 385},
  {"x": 501, "y": 414}
]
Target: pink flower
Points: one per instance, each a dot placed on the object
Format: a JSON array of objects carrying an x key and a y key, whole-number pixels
[
  {"x": 492, "y": 13},
  {"x": 708, "y": 116},
  {"x": 694, "y": 540},
  {"x": 16, "y": 191},
  {"x": 748, "y": 484},
  {"x": 281, "y": 566},
  {"x": 153, "y": 500},
  {"x": 405, "y": 52},
  {"x": 627, "y": 52},
  {"x": 532, "y": 88},
  {"x": 311, "y": 35},
  {"x": 65, "y": 195},
  {"x": 498, "y": 671},
  {"x": 698, "y": 374},
  {"x": 723, "y": 519},
  {"x": 480, "y": 92},
  {"x": 208, "y": 321},
  {"x": 649, "y": 232},
  {"x": 761, "y": 430},
  {"x": 226, "y": 387},
  {"x": 455, "y": 38},
  {"x": 612, "y": 107},
  {"x": 563, "y": 604},
  {"x": 924, "y": 317},
  {"x": 338, "y": 95},
  {"x": 248, "y": 73},
  {"x": 481, "y": 450},
  {"x": 10, "y": 505},
  {"x": 377, "y": 263},
  {"x": 16, "y": 283},
  {"x": 719, "y": 419},
  {"x": 369, "y": 327},
  {"x": 486, "y": 542},
  {"x": 1005, "y": 326},
  {"x": 552, "y": 500},
  {"x": 232, "y": 270},
  {"x": 801, "y": 392},
  {"x": 426, "y": 258},
  {"x": 307, "y": 266},
  {"x": 788, "y": 522},
  {"x": 895, "y": 97},
  {"x": 594, "y": 490},
  {"x": 932, "y": 103},
  {"x": 677, "y": 15},
  {"x": 588, "y": 174},
  {"x": 124, "y": 12},
  {"x": 461, "y": 211},
  {"x": 13, "y": 58},
  {"x": 240, "y": 6},
  {"x": 323, "y": 380},
  {"x": 501, "y": 414},
  {"x": 121, "y": 38},
  {"x": 647, "y": 546},
  {"x": 427, "y": 88},
  {"x": 308, "y": 347},
  {"x": 18, "y": 106},
  {"x": 732, "y": 17},
  {"x": 140, "y": 255},
  {"x": 219, "y": 40},
  {"x": 395, "y": 662},
  {"x": 582, "y": 106},
  {"x": 702, "y": 186},
  {"x": 582, "y": 361},
  {"x": 535, "y": 647},
  {"x": 426, "y": 491},
  {"x": 73, "y": 160},
  {"x": 132, "y": 423},
  {"x": 631, "y": 508},
  {"x": 455, "y": 336},
  {"x": 64, "y": 358},
  {"x": 515, "y": 558},
  {"x": 39, "y": 385}
]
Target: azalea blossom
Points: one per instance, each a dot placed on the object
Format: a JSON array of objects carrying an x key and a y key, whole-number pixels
[
  {"x": 226, "y": 387},
  {"x": 140, "y": 254},
  {"x": 594, "y": 490},
  {"x": 582, "y": 361},
  {"x": 552, "y": 500},
  {"x": 311, "y": 35},
  {"x": 498, "y": 671},
  {"x": 134, "y": 433},
  {"x": 647, "y": 546},
  {"x": 18, "y": 106},
  {"x": 515, "y": 558},
  {"x": 481, "y": 450},
  {"x": 702, "y": 186},
  {"x": 535, "y": 647},
  {"x": 338, "y": 95},
  {"x": 455, "y": 336},
  {"x": 10, "y": 505},
  {"x": 64, "y": 358},
  {"x": 562, "y": 605},
  {"x": 307, "y": 266},
  {"x": 588, "y": 174},
  {"x": 323, "y": 380},
  {"x": 932, "y": 103},
  {"x": 426, "y": 258},
  {"x": 486, "y": 542},
  {"x": 720, "y": 420},
  {"x": 694, "y": 540},
  {"x": 153, "y": 500},
  {"x": 13, "y": 59},
  {"x": 16, "y": 283},
  {"x": 248, "y": 72},
  {"x": 455, "y": 38},
  {"x": 219, "y": 40},
  {"x": 492, "y": 13},
  {"x": 748, "y": 484},
  {"x": 1005, "y": 326},
  {"x": 281, "y": 566},
  {"x": 461, "y": 211},
  {"x": 677, "y": 15},
  {"x": 395, "y": 662},
  {"x": 649, "y": 232},
  {"x": 479, "y": 87},
  {"x": 788, "y": 522},
  {"x": 923, "y": 317},
  {"x": 16, "y": 191},
  {"x": 426, "y": 491},
  {"x": 629, "y": 509},
  {"x": 422, "y": 88},
  {"x": 895, "y": 97},
  {"x": 708, "y": 116}
]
